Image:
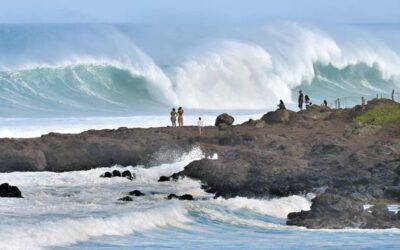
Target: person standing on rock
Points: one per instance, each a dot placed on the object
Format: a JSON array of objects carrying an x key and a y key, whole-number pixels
[
  {"x": 200, "y": 125},
  {"x": 301, "y": 100},
  {"x": 173, "y": 117},
  {"x": 180, "y": 116},
  {"x": 325, "y": 103}
]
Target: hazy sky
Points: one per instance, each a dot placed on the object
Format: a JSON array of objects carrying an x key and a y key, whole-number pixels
[{"x": 200, "y": 11}]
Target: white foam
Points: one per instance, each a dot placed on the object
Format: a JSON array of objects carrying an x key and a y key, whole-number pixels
[
  {"x": 277, "y": 207},
  {"x": 69, "y": 231}
]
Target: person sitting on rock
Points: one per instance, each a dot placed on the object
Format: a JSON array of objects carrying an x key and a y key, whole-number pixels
[
  {"x": 281, "y": 105},
  {"x": 180, "y": 116},
  {"x": 301, "y": 100},
  {"x": 173, "y": 117}
]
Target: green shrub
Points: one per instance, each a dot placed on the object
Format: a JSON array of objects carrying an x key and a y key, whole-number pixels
[{"x": 383, "y": 116}]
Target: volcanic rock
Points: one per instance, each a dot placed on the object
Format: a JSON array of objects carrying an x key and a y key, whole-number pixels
[
  {"x": 224, "y": 119},
  {"x": 10, "y": 191}
]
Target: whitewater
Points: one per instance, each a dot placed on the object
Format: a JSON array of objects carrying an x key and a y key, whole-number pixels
[
  {"x": 70, "y": 78},
  {"x": 79, "y": 210}
]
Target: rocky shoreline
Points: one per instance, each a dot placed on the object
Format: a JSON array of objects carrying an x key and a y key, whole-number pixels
[{"x": 347, "y": 164}]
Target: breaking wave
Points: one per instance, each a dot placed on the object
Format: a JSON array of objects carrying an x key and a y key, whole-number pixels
[{"x": 229, "y": 74}]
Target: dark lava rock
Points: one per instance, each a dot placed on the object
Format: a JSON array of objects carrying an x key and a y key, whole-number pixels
[
  {"x": 136, "y": 193},
  {"x": 126, "y": 198},
  {"x": 328, "y": 211},
  {"x": 224, "y": 119},
  {"x": 187, "y": 197},
  {"x": 163, "y": 179},
  {"x": 278, "y": 116},
  {"x": 128, "y": 174},
  {"x": 172, "y": 196},
  {"x": 106, "y": 175},
  {"x": 116, "y": 173},
  {"x": 10, "y": 191}
]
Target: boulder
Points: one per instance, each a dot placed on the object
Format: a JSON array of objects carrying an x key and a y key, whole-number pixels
[
  {"x": 127, "y": 174},
  {"x": 10, "y": 191},
  {"x": 328, "y": 211},
  {"x": 224, "y": 119},
  {"x": 278, "y": 116},
  {"x": 126, "y": 198},
  {"x": 136, "y": 193},
  {"x": 187, "y": 197},
  {"x": 163, "y": 179},
  {"x": 116, "y": 173},
  {"x": 172, "y": 196},
  {"x": 106, "y": 175}
]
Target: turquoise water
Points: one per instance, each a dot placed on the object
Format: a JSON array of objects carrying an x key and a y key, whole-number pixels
[
  {"x": 113, "y": 70},
  {"x": 74, "y": 77}
]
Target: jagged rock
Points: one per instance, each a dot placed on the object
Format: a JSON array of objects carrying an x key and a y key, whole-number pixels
[
  {"x": 225, "y": 119},
  {"x": 10, "y": 191},
  {"x": 126, "y": 198},
  {"x": 328, "y": 211},
  {"x": 136, "y": 193}
]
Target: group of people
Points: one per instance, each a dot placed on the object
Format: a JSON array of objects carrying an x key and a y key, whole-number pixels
[
  {"x": 303, "y": 99},
  {"x": 179, "y": 114}
]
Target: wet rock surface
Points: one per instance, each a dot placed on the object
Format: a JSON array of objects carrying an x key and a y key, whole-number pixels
[
  {"x": 136, "y": 193},
  {"x": 126, "y": 198},
  {"x": 116, "y": 173},
  {"x": 187, "y": 197},
  {"x": 6, "y": 190},
  {"x": 330, "y": 210}
]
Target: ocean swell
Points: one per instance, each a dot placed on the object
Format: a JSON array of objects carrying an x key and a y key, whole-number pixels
[{"x": 231, "y": 73}]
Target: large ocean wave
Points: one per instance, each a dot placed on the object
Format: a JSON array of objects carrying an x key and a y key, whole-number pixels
[{"x": 229, "y": 73}]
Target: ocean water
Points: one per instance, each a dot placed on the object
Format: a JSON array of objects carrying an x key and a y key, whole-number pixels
[
  {"x": 69, "y": 78},
  {"x": 80, "y": 210}
]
